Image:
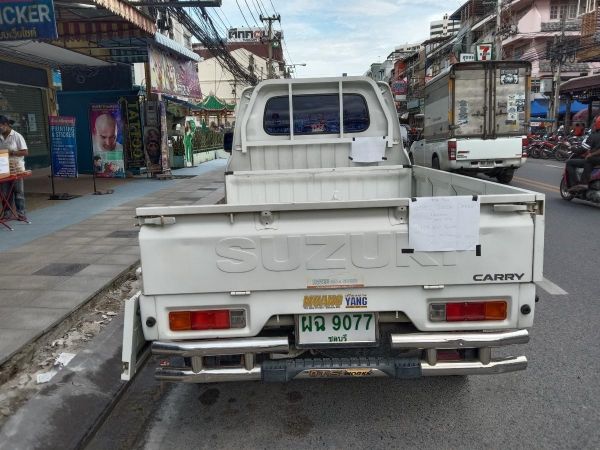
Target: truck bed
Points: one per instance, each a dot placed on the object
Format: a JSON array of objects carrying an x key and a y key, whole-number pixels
[{"x": 288, "y": 231}]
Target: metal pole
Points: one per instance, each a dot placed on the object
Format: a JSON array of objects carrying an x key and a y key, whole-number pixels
[
  {"x": 270, "y": 20},
  {"x": 556, "y": 101},
  {"x": 498, "y": 37}
]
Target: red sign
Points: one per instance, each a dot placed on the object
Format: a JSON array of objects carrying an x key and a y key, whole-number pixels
[{"x": 484, "y": 52}]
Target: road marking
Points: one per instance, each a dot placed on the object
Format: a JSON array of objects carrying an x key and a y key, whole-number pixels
[
  {"x": 554, "y": 165},
  {"x": 551, "y": 288},
  {"x": 537, "y": 184}
]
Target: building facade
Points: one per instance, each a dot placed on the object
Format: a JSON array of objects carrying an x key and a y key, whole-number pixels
[{"x": 444, "y": 27}]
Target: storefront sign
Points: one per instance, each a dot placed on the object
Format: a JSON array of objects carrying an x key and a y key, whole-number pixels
[
  {"x": 400, "y": 86},
  {"x": 166, "y": 164},
  {"x": 134, "y": 148},
  {"x": 27, "y": 19},
  {"x": 106, "y": 125},
  {"x": 245, "y": 34},
  {"x": 63, "y": 146},
  {"x": 169, "y": 75},
  {"x": 484, "y": 52}
]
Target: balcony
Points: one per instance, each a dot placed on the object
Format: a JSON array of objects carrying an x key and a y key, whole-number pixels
[
  {"x": 570, "y": 25},
  {"x": 590, "y": 37},
  {"x": 579, "y": 67}
]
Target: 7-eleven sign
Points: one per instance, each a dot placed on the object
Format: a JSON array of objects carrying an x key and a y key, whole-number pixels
[{"x": 484, "y": 52}]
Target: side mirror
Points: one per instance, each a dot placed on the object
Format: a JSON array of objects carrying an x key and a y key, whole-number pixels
[{"x": 228, "y": 141}]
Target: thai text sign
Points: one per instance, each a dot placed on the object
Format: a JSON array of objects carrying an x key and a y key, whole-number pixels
[
  {"x": 134, "y": 148},
  {"x": 63, "y": 146},
  {"x": 169, "y": 75},
  {"x": 27, "y": 19}
]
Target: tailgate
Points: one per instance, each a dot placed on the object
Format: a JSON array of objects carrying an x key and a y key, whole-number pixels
[
  {"x": 228, "y": 248},
  {"x": 489, "y": 149}
]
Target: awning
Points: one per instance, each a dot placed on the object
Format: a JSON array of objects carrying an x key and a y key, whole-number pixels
[
  {"x": 181, "y": 102},
  {"x": 129, "y": 13},
  {"x": 170, "y": 44},
  {"x": 539, "y": 107},
  {"x": 580, "y": 84},
  {"x": 47, "y": 54},
  {"x": 582, "y": 115}
]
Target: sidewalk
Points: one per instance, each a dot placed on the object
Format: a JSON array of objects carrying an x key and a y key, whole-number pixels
[{"x": 75, "y": 249}]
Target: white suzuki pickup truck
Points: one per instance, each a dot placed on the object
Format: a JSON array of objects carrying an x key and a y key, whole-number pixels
[{"x": 333, "y": 256}]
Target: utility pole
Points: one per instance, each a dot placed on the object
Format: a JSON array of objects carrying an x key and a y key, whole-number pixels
[
  {"x": 498, "y": 37},
  {"x": 270, "y": 19},
  {"x": 558, "y": 56}
]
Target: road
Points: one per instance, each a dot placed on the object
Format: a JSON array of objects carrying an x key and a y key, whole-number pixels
[{"x": 554, "y": 404}]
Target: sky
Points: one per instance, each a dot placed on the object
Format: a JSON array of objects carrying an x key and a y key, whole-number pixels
[{"x": 333, "y": 37}]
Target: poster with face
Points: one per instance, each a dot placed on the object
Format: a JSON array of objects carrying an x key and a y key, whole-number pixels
[{"x": 106, "y": 125}]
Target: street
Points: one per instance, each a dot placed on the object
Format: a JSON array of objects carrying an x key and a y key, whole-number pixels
[{"x": 553, "y": 404}]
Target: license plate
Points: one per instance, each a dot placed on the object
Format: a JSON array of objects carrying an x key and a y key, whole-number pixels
[
  {"x": 336, "y": 329},
  {"x": 486, "y": 164}
]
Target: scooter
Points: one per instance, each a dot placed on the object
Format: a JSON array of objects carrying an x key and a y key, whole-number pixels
[{"x": 591, "y": 194}]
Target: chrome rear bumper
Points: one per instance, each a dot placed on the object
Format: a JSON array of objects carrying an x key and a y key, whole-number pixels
[{"x": 288, "y": 369}]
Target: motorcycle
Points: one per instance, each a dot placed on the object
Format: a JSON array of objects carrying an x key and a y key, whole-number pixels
[{"x": 591, "y": 194}]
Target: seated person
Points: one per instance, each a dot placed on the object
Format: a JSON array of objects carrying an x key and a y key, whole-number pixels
[{"x": 591, "y": 159}]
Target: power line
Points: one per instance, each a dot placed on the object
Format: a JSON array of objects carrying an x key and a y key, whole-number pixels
[
  {"x": 260, "y": 9},
  {"x": 273, "y": 6},
  {"x": 242, "y": 12},
  {"x": 251, "y": 13}
]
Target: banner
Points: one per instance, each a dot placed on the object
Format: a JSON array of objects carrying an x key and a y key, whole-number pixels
[
  {"x": 106, "y": 125},
  {"x": 134, "y": 139},
  {"x": 27, "y": 20},
  {"x": 63, "y": 146},
  {"x": 169, "y": 75}
]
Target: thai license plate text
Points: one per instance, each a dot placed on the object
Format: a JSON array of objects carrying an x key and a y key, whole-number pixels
[{"x": 333, "y": 329}]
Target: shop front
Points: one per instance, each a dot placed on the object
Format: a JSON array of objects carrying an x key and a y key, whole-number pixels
[{"x": 25, "y": 97}]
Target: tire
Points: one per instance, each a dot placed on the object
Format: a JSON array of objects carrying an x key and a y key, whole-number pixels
[
  {"x": 505, "y": 176},
  {"x": 564, "y": 193},
  {"x": 435, "y": 163},
  {"x": 561, "y": 152},
  {"x": 535, "y": 151}
]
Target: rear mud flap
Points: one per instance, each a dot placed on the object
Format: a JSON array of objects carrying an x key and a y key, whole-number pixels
[
  {"x": 281, "y": 371},
  {"x": 135, "y": 348}
]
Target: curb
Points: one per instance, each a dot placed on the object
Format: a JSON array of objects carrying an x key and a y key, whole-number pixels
[{"x": 68, "y": 410}]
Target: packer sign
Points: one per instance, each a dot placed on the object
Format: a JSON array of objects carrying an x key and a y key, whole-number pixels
[{"x": 27, "y": 19}]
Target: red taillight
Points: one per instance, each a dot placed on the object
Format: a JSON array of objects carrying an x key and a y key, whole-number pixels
[
  {"x": 218, "y": 319},
  {"x": 452, "y": 150},
  {"x": 467, "y": 311},
  {"x": 475, "y": 311},
  {"x": 524, "y": 145},
  {"x": 210, "y": 320}
]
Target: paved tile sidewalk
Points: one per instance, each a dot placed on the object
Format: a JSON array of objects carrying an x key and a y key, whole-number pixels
[{"x": 76, "y": 252}]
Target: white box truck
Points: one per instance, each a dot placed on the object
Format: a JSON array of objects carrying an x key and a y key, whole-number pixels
[
  {"x": 476, "y": 117},
  {"x": 333, "y": 256}
]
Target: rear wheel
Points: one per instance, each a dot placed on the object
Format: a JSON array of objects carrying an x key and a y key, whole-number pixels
[
  {"x": 435, "y": 163},
  {"x": 534, "y": 151},
  {"x": 505, "y": 176},
  {"x": 564, "y": 190}
]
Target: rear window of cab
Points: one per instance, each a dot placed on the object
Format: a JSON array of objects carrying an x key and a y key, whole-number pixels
[{"x": 316, "y": 114}]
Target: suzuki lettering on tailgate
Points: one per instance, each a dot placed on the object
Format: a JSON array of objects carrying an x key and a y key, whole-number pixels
[{"x": 322, "y": 252}]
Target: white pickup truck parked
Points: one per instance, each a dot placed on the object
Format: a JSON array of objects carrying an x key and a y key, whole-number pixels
[
  {"x": 475, "y": 119},
  {"x": 334, "y": 256}
]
